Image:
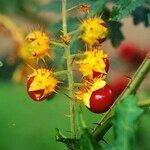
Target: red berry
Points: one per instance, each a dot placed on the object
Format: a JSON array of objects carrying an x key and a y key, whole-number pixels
[
  {"x": 101, "y": 100},
  {"x": 35, "y": 95},
  {"x": 99, "y": 74},
  {"x": 128, "y": 50},
  {"x": 118, "y": 84}
]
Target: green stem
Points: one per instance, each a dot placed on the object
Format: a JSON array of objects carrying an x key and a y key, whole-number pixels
[
  {"x": 70, "y": 73},
  {"x": 144, "y": 103},
  {"x": 105, "y": 124},
  {"x": 64, "y": 16}
]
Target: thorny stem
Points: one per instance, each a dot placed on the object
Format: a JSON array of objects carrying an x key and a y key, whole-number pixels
[
  {"x": 105, "y": 124},
  {"x": 70, "y": 73}
]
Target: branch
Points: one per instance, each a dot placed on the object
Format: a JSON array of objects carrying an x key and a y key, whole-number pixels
[
  {"x": 105, "y": 124},
  {"x": 69, "y": 71}
]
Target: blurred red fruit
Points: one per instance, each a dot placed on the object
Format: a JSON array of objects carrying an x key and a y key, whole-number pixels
[
  {"x": 128, "y": 50},
  {"x": 118, "y": 84},
  {"x": 142, "y": 54}
]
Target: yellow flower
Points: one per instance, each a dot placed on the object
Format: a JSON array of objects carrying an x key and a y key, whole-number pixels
[
  {"x": 93, "y": 64},
  {"x": 93, "y": 31},
  {"x": 86, "y": 91},
  {"x": 36, "y": 45},
  {"x": 41, "y": 84}
]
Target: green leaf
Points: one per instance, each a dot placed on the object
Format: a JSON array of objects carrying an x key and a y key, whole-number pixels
[
  {"x": 124, "y": 8},
  {"x": 148, "y": 16},
  {"x": 1, "y": 64},
  {"x": 72, "y": 144},
  {"x": 126, "y": 114},
  {"x": 98, "y": 7},
  {"x": 86, "y": 140},
  {"x": 115, "y": 33},
  {"x": 141, "y": 15}
]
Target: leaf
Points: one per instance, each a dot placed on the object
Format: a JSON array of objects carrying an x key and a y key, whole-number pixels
[
  {"x": 98, "y": 7},
  {"x": 124, "y": 8},
  {"x": 126, "y": 114},
  {"x": 115, "y": 33},
  {"x": 1, "y": 64},
  {"x": 86, "y": 140},
  {"x": 141, "y": 15},
  {"x": 72, "y": 144},
  {"x": 148, "y": 16}
]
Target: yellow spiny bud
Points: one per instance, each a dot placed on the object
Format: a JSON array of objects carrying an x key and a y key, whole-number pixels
[
  {"x": 36, "y": 45},
  {"x": 41, "y": 84},
  {"x": 94, "y": 64},
  {"x": 93, "y": 31}
]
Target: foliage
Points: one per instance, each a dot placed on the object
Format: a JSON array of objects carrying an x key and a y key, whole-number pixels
[
  {"x": 85, "y": 141},
  {"x": 126, "y": 114}
]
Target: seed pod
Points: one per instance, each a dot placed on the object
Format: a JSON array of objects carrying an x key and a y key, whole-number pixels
[
  {"x": 41, "y": 84},
  {"x": 95, "y": 64},
  {"x": 93, "y": 31},
  {"x": 36, "y": 45}
]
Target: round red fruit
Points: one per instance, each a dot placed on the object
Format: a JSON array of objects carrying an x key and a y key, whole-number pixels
[
  {"x": 35, "y": 95},
  {"x": 101, "y": 100}
]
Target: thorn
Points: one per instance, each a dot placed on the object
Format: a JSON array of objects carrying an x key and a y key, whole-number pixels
[
  {"x": 104, "y": 141},
  {"x": 91, "y": 129},
  {"x": 68, "y": 96},
  {"x": 30, "y": 66},
  {"x": 69, "y": 131},
  {"x": 44, "y": 62},
  {"x": 67, "y": 115},
  {"x": 72, "y": 60},
  {"x": 128, "y": 77},
  {"x": 97, "y": 123}
]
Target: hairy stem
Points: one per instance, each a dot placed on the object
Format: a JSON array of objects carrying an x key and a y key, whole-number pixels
[
  {"x": 105, "y": 124},
  {"x": 69, "y": 73}
]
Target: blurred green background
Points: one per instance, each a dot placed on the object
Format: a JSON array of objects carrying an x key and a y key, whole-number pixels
[{"x": 25, "y": 124}]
